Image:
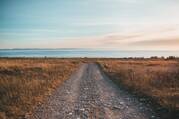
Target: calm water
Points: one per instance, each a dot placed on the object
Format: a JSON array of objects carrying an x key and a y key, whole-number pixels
[{"x": 82, "y": 53}]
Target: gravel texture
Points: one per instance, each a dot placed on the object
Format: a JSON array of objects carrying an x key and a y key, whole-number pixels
[{"x": 89, "y": 94}]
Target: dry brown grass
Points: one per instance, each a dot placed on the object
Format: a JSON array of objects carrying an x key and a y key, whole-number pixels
[
  {"x": 24, "y": 83},
  {"x": 157, "y": 79}
]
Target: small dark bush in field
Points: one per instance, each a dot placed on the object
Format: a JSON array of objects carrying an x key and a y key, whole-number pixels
[
  {"x": 154, "y": 57},
  {"x": 171, "y": 57}
]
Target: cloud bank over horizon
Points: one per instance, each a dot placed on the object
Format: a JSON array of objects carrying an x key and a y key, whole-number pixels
[{"x": 113, "y": 24}]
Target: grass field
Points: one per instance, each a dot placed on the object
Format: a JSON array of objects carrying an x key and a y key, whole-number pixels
[
  {"x": 24, "y": 83},
  {"x": 157, "y": 79}
]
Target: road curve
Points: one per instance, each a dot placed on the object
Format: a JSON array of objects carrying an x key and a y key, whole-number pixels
[{"x": 89, "y": 94}]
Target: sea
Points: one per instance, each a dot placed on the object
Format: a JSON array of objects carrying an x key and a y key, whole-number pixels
[{"x": 91, "y": 53}]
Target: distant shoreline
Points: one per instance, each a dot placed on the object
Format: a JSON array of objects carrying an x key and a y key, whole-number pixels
[
  {"x": 84, "y": 53},
  {"x": 124, "y": 58}
]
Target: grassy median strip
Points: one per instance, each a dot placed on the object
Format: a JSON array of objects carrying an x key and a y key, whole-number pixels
[{"x": 25, "y": 82}]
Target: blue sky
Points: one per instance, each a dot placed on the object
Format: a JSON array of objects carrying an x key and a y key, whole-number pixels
[{"x": 119, "y": 24}]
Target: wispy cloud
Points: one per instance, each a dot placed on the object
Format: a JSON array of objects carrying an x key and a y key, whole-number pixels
[
  {"x": 131, "y": 38},
  {"x": 158, "y": 42},
  {"x": 150, "y": 37}
]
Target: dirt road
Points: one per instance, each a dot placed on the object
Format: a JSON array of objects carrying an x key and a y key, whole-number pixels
[{"x": 89, "y": 94}]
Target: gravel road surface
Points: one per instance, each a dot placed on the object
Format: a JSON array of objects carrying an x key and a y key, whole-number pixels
[{"x": 89, "y": 94}]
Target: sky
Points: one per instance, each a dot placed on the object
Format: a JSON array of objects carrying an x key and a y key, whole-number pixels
[{"x": 112, "y": 24}]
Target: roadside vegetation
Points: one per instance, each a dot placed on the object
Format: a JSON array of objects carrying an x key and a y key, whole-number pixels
[
  {"x": 154, "y": 80},
  {"x": 25, "y": 83}
]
